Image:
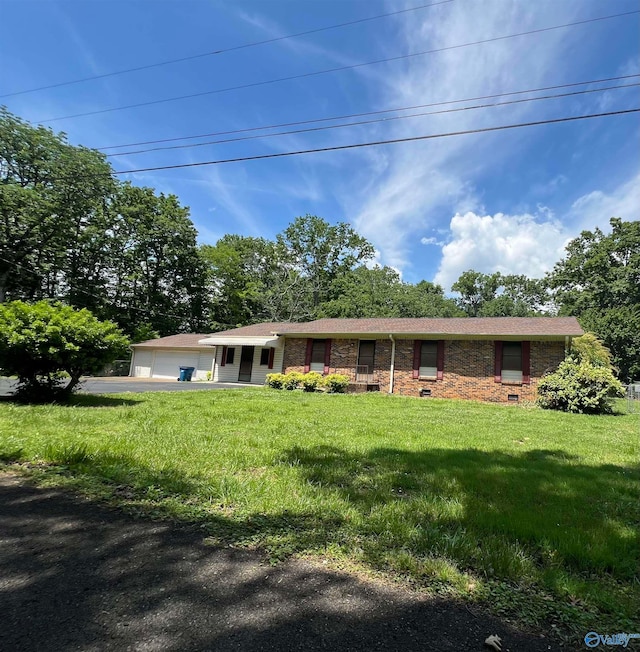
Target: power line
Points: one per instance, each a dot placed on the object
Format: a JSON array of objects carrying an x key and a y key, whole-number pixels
[
  {"x": 337, "y": 69},
  {"x": 378, "y": 142},
  {"x": 225, "y": 50},
  {"x": 365, "y": 122},
  {"x": 367, "y": 113}
]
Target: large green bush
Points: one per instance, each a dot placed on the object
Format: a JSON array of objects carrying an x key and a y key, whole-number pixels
[
  {"x": 50, "y": 346},
  {"x": 579, "y": 386}
]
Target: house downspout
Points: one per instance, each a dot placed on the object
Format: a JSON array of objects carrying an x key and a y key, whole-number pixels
[
  {"x": 133, "y": 355},
  {"x": 393, "y": 363},
  {"x": 567, "y": 345}
]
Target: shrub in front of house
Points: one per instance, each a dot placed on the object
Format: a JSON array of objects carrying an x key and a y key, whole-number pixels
[
  {"x": 311, "y": 381},
  {"x": 275, "y": 381},
  {"x": 336, "y": 383},
  {"x": 579, "y": 386},
  {"x": 292, "y": 380}
]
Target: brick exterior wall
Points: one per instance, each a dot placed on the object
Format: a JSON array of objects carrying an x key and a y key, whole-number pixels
[{"x": 468, "y": 367}]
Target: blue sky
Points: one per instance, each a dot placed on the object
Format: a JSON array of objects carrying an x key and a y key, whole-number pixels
[{"x": 505, "y": 201}]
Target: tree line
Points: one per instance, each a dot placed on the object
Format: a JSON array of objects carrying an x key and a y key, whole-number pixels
[{"x": 71, "y": 231}]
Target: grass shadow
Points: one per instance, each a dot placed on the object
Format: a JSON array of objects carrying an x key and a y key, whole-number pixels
[
  {"x": 79, "y": 400},
  {"x": 491, "y": 510},
  {"x": 441, "y": 517}
]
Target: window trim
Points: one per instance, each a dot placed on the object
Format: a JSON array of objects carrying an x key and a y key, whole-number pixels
[
  {"x": 326, "y": 356},
  {"x": 525, "y": 362},
  {"x": 417, "y": 359}
]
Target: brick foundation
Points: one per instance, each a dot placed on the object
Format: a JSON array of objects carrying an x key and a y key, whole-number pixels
[{"x": 468, "y": 367}]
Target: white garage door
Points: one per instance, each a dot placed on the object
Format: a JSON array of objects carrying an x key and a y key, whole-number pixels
[
  {"x": 142, "y": 361},
  {"x": 167, "y": 365}
]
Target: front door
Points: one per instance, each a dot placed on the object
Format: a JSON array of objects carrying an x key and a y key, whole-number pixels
[
  {"x": 246, "y": 364},
  {"x": 366, "y": 360}
]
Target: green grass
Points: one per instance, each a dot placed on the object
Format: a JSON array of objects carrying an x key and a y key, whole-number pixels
[{"x": 533, "y": 513}]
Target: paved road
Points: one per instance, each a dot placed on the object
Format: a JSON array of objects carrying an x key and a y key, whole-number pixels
[
  {"x": 79, "y": 576},
  {"x": 119, "y": 385}
]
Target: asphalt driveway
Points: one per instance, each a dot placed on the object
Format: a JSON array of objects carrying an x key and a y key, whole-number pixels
[
  {"x": 119, "y": 385},
  {"x": 76, "y": 575}
]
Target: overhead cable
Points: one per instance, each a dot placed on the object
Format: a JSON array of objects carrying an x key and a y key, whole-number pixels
[
  {"x": 224, "y": 50},
  {"x": 366, "y": 122},
  {"x": 331, "y": 70},
  {"x": 375, "y": 143}
]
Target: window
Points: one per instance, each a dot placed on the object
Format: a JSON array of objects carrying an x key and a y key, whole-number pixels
[
  {"x": 317, "y": 356},
  {"x": 513, "y": 362},
  {"x": 428, "y": 359},
  {"x": 231, "y": 354},
  {"x": 264, "y": 357}
]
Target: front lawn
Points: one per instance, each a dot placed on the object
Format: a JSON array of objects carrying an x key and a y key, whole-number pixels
[{"x": 533, "y": 513}]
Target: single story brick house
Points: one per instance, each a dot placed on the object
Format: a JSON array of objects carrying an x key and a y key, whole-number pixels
[{"x": 484, "y": 358}]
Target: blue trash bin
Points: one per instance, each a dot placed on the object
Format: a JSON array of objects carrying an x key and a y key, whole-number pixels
[{"x": 186, "y": 373}]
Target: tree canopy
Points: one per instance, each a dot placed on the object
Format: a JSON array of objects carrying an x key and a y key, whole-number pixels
[
  {"x": 598, "y": 281},
  {"x": 70, "y": 231}
]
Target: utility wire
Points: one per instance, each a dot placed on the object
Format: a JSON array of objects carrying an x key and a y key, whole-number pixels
[
  {"x": 374, "y": 143},
  {"x": 224, "y": 50},
  {"x": 337, "y": 69},
  {"x": 367, "y": 113},
  {"x": 365, "y": 122}
]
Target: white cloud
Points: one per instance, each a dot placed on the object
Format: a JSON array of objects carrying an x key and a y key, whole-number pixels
[
  {"x": 432, "y": 241},
  {"x": 529, "y": 244},
  {"x": 510, "y": 244},
  {"x": 596, "y": 207}
]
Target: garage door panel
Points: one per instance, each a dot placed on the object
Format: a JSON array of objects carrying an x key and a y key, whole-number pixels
[
  {"x": 167, "y": 365},
  {"x": 142, "y": 361}
]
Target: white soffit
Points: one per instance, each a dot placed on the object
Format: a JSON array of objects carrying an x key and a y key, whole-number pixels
[{"x": 226, "y": 340}]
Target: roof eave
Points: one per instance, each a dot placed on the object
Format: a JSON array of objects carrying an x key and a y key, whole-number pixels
[{"x": 435, "y": 336}]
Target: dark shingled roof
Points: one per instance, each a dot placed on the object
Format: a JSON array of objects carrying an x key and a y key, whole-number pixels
[
  {"x": 464, "y": 326},
  {"x": 541, "y": 326}
]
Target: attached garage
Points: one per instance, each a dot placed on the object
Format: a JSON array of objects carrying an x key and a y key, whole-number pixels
[
  {"x": 162, "y": 358},
  {"x": 244, "y": 355}
]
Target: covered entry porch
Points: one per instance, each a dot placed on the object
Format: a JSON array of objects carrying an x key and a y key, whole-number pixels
[{"x": 245, "y": 359}]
